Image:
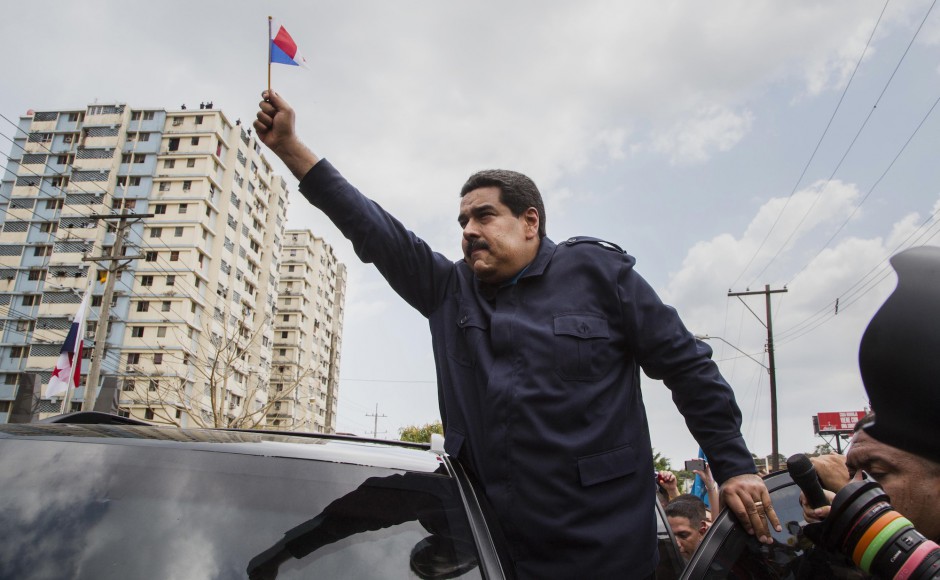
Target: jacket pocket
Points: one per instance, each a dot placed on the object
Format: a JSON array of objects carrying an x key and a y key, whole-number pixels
[
  {"x": 601, "y": 467},
  {"x": 468, "y": 332},
  {"x": 579, "y": 343}
]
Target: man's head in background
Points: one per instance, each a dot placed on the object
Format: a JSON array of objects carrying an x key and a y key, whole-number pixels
[{"x": 686, "y": 515}]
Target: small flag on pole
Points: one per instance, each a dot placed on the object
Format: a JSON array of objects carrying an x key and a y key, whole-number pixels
[
  {"x": 69, "y": 366},
  {"x": 283, "y": 48}
]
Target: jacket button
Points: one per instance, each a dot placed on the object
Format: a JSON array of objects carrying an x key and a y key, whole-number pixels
[{"x": 464, "y": 319}]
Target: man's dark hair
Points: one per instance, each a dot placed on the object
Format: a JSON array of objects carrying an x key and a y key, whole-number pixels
[
  {"x": 516, "y": 191},
  {"x": 688, "y": 506}
]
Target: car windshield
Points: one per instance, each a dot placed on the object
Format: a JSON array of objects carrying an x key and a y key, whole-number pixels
[{"x": 100, "y": 510}]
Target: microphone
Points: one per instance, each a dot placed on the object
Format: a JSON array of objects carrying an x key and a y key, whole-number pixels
[{"x": 804, "y": 475}]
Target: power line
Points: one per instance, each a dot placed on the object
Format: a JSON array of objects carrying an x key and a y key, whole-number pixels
[
  {"x": 815, "y": 149},
  {"x": 851, "y": 145}
]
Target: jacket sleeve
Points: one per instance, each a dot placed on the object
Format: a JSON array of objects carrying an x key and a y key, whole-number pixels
[
  {"x": 414, "y": 271},
  {"x": 667, "y": 351}
]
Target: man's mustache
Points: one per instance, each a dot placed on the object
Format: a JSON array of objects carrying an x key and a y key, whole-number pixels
[{"x": 474, "y": 245}]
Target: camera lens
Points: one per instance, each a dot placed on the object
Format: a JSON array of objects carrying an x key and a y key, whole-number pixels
[{"x": 863, "y": 525}]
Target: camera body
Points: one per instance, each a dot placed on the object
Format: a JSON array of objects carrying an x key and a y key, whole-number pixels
[{"x": 863, "y": 526}]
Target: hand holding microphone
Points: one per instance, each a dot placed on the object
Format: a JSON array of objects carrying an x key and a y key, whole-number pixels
[{"x": 814, "y": 500}]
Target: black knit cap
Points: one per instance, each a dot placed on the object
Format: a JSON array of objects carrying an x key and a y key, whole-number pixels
[{"x": 899, "y": 357}]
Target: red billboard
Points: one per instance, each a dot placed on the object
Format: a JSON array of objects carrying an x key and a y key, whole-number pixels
[{"x": 841, "y": 422}]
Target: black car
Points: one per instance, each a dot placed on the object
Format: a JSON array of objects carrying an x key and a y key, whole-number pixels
[{"x": 95, "y": 496}]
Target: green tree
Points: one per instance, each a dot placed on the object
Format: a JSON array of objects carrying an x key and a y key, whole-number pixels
[
  {"x": 420, "y": 434},
  {"x": 660, "y": 463}
]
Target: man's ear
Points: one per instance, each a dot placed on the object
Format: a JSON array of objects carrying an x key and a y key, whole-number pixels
[
  {"x": 703, "y": 527},
  {"x": 531, "y": 217}
]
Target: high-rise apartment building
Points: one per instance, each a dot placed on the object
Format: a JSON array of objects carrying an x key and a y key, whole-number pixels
[
  {"x": 191, "y": 330},
  {"x": 308, "y": 332}
]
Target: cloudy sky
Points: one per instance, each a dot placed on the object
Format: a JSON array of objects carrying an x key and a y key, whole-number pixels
[{"x": 727, "y": 145}]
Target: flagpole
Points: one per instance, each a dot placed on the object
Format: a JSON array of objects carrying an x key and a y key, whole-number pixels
[
  {"x": 269, "y": 53},
  {"x": 67, "y": 398}
]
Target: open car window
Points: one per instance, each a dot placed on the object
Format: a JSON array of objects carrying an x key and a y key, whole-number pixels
[{"x": 729, "y": 552}]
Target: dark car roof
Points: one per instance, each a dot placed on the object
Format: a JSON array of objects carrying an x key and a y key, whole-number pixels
[{"x": 350, "y": 450}]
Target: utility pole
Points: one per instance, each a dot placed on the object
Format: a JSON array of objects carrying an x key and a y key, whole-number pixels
[
  {"x": 116, "y": 263},
  {"x": 771, "y": 369},
  {"x": 375, "y": 429}
]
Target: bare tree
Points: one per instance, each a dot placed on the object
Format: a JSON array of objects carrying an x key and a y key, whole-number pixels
[{"x": 215, "y": 383}]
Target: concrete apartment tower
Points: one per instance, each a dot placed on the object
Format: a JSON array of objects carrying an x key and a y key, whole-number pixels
[
  {"x": 308, "y": 333},
  {"x": 191, "y": 331}
]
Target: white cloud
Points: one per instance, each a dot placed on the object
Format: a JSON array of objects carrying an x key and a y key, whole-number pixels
[
  {"x": 711, "y": 129},
  {"x": 816, "y": 347}
]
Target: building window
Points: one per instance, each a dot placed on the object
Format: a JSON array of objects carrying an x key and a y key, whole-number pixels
[
  {"x": 284, "y": 334},
  {"x": 164, "y": 186},
  {"x": 194, "y": 141},
  {"x": 158, "y": 358},
  {"x": 165, "y": 307},
  {"x": 169, "y": 163},
  {"x": 174, "y": 256},
  {"x": 191, "y": 162},
  {"x": 187, "y": 185},
  {"x": 161, "y": 331},
  {"x": 42, "y": 251},
  {"x": 137, "y": 331},
  {"x": 171, "y": 280},
  {"x": 53, "y": 204},
  {"x": 37, "y": 274},
  {"x": 133, "y": 358},
  {"x": 129, "y": 385},
  {"x": 19, "y": 352},
  {"x": 30, "y": 300},
  {"x": 151, "y": 256},
  {"x": 139, "y": 158},
  {"x": 143, "y": 306},
  {"x": 156, "y": 232},
  {"x": 159, "y": 209},
  {"x": 199, "y": 119},
  {"x": 179, "y": 232},
  {"x": 148, "y": 414},
  {"x": 174, "y": 143},
  {"x": 183, "y": 207},
  {"x": 146, "y": 280}
]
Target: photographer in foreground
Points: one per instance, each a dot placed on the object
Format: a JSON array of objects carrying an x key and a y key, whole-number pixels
[{"x": 887, "y": 519}]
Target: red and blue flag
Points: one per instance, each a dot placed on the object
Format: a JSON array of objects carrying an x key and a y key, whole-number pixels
[
  {"x": 68, "y": 368},
  {"x": 284, "y": 49}
]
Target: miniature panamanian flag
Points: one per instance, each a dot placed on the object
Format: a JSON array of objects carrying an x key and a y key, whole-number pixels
[
  {"x": 283, "y": 48},
  {"x": 69, "y": 366}
]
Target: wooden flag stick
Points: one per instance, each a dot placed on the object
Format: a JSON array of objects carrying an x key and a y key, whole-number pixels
[{"x": 269, "y": 53}]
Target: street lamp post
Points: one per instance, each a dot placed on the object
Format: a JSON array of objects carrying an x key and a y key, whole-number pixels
[{"x": 771, "y": 370}]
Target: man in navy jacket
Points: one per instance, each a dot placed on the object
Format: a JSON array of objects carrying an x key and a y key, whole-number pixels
[{"x": 538, "y": 348}]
